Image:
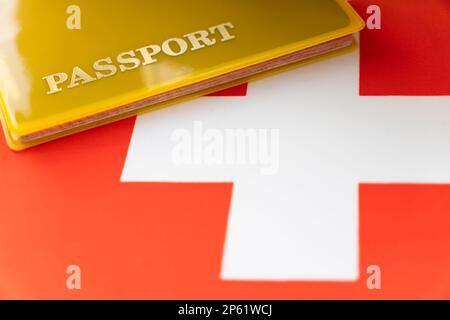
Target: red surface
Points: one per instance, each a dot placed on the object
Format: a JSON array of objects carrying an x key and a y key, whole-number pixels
[
  {"x": 62, "y": 203},
  {"x": 235, "y": 91},
  {"x": 410, "y": 54}
]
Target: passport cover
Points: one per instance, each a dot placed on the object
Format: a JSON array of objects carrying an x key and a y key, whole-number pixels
[{"x": 139, "y": 55}]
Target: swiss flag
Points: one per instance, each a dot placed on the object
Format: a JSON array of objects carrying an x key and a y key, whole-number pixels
[{"x": 62, "y": 203}]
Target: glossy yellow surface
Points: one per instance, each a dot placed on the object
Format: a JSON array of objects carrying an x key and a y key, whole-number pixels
[{"x": 35, "y": 42}]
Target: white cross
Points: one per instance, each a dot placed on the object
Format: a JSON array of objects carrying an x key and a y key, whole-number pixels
[{"x": 302, "y": 223}]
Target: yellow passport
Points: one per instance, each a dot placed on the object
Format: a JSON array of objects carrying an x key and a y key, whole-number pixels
[{"x": 68, "y": 67}]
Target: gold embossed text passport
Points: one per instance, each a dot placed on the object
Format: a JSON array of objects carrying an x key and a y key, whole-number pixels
[{"x": 66, "y": 68}]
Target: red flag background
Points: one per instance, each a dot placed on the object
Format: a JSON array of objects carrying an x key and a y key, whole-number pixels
[{"x": 62, "y": 203}]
